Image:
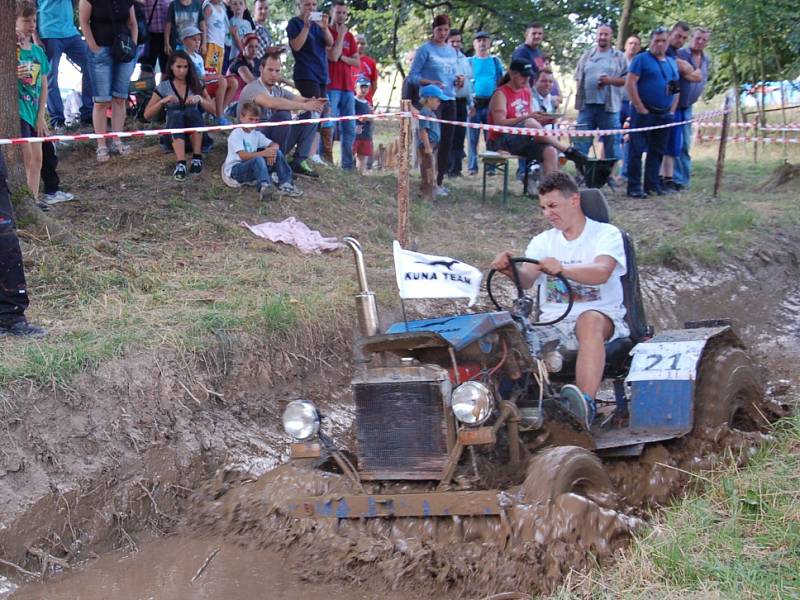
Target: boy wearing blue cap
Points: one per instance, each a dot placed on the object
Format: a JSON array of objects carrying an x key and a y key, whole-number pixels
[
  {"x": 430, "y": 97},
  {"x": 362, "y": 146}
]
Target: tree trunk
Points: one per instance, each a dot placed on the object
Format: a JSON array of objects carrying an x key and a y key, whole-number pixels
[
  {"x": 27, "y": 212},
  {"x": 9, "y": 115},
  {"x": 624, "y": 23}
]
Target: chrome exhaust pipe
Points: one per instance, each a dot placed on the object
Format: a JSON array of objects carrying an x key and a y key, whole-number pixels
[{"x": 366, "y": 307}]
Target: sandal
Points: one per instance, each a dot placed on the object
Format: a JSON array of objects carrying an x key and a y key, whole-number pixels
[{"x": 102, "y": 154}]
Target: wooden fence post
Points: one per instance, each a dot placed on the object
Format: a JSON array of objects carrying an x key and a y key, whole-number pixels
[
  {"x": 402, "y": 173},
  {"x": 723, "y": 140}
]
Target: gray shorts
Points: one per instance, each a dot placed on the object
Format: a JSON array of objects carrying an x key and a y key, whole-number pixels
[{"x": 562, "y": 336}]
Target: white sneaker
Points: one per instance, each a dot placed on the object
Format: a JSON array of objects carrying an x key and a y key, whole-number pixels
[
  {"x": 316, "y": 158},
  {"x": 274, "y": 176},
  {"x": 442, "y": 191},
  {"x": 289, "y": 189},
  {"x": 56, "y": 197}
]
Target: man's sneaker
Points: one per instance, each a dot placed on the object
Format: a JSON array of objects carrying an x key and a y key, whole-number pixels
[
  {"x": 578, "y": 403},
  {"x": 275, "y": 179},
  {"x": 316, "y": 158},
  {"x": 180, "y": 172},
  {"x": 196, "y": 166},
  {"x": 266, "y": 193},
  {"x": 223, "y": 120},
  {"x": 442, "y": 191},
  {"x": 472, "y": 172},
  {"x": 290, "y": 190},
  {"x": 56, "y": 197},
  {"x": 22, "y": 329},
  {"x": 302, "y": 168},
  {"x": 43, "y": 206}
]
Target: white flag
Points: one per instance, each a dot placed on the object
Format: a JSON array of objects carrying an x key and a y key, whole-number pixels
[{"x": 428, "y": 276}]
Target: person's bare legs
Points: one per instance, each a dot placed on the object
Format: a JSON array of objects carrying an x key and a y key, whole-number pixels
[
  {"x": 197, "y": 143},
  {"x": 231, "y": 85},
  {"x": 592, "y": 330},
  {"x": 179, "y": 146},
  {"x": 219, "y": 97},
  {"x": 118, "y": 114},
  {"x": 667, "y": 166},
  {"x": 32, "y": 159},
  {"x": 549, "y": 160},
  {"x": 100, "y": 121},
  {"x": 550, "y": 140}
]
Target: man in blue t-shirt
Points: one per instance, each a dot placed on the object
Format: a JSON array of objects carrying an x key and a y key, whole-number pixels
[
  {"x": 487, "y": 71},
  {"x": 652, "y": 85},
  {"x": 690, "y": 93},
  {"x": 530, "y": 51},
  {"x": 59, "y": 35}
]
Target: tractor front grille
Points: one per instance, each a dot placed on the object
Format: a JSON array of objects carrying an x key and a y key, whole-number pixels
[{"x": 401, "y": 429}]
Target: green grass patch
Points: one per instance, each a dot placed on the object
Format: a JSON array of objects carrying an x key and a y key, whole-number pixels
[{"x": 738, "y": 537}]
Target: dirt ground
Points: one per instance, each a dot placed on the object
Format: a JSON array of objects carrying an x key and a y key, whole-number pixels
[{"x": 177, "y": 338}]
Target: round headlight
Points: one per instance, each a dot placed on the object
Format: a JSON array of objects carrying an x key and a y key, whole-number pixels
[
  {"x": 472, "y": 403},
  {"x": 301, "y": 419}
]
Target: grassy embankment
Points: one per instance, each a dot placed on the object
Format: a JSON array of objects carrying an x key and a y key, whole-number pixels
[
  {"x": 167, "y": 263},
  {"x": 737, "y": 537}
]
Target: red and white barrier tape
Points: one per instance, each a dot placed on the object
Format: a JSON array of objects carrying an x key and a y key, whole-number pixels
[
  {"x": 81, "y": 137},
  {"x": 749, "y": 138},
  {"x": 787, "y": 127},
  {"x": 571, "y": 131}
]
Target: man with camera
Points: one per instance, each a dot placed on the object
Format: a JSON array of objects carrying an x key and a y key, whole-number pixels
[{"x": 652, "y": 85}]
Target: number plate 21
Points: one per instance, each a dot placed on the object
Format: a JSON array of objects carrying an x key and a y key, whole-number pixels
[{"x": 665, "y": 360}]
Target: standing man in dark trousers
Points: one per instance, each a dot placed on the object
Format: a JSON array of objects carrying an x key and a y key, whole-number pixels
[
  {"x": 463, "y": 103},
  {"x": 13, "y": 293},
  {"x": 652, "y": 85}
]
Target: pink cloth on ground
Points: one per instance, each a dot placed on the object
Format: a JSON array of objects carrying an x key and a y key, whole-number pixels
[{"x": 295, "y": 233}]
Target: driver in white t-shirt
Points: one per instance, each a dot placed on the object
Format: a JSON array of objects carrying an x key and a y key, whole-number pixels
[{"x": 591, "y": 256}]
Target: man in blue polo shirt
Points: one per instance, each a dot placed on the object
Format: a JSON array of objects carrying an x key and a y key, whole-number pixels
[
  {"x": 690, "y": 93},
  {"x": 530, "y": 51},
  {"x": 59, "y": 35},
  {"x": 652, "y": 85}
]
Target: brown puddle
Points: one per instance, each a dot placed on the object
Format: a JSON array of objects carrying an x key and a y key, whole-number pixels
[{"x": 163, "y": 570}]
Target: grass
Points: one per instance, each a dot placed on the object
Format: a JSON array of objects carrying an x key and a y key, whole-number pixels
[
  {"x": 166, "y": 263},
  {"x": 737, "y": 537}
]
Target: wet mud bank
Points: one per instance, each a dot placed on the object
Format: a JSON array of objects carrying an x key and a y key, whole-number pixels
[
  {"x": 128, "y": 448},
  {"x": 89, "y": 468}
]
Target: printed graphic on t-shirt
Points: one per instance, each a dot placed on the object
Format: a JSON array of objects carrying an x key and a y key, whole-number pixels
[
  {"x": 520, "y": 106},
  {"x": 556, "y": 291}
]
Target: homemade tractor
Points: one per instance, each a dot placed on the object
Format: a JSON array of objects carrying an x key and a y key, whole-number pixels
[{"x": 460, "y": 415}]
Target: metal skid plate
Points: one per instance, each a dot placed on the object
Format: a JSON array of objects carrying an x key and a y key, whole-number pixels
[
  {"x": 364, "y": 506},
  {"x": 662, "y": 378}
]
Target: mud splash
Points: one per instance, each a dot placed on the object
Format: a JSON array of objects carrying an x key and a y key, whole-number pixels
[{"x": 530, "y": 547}]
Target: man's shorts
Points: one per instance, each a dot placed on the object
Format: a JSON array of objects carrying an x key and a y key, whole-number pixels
[
  {"x": 214, "y": 58},
  {"x": 562, "y": 336},
  {"x": 520, "y": 145},
  {"x": 362, "y": 147}
]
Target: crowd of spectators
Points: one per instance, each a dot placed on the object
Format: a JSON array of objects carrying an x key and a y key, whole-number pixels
[{"x": 213, "y": 57}]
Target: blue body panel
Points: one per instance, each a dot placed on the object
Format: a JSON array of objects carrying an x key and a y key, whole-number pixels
[
  {"x": 664, "y": 405},
  {"x": 459, "y": 331}
]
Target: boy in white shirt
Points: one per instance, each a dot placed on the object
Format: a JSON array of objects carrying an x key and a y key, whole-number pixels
[{"x": 252, "y": 157}]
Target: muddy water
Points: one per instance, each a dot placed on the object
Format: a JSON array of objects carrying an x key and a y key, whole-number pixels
[{"x": 163, "y": 570}]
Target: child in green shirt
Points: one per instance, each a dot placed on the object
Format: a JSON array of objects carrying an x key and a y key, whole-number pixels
[{"x": 32, "y": 70}]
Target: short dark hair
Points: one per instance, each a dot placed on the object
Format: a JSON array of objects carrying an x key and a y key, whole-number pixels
[
  {"x": 658, "y": 31},
  {"x": 25, "y": 8},
  {"x": 558, "y": 180},
  {"x": 250, "y": 108},
  {"x": 338, "y": 3},
  {"x": 680, "y": 25},
  {"x": 453, "y": 33},
  {"x": 273, "y": 52},
  {"x": 440, "y": 20},
  {"x": 534, "y": 25},
  {"x": 540, "y": 72}
]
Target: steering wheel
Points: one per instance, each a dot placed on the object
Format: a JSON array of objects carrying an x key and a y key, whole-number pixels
[{"x": 523, "y": 301}]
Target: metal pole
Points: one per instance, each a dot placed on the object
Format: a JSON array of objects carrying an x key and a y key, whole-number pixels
[
  {"x": 402, "y": 174},
  {"x": 723, "y": 139}
]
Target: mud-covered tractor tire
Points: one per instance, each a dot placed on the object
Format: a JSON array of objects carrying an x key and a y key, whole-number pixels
[
  {"x": 728, "y": 391},
  {"x": 564, "y": 470}
]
